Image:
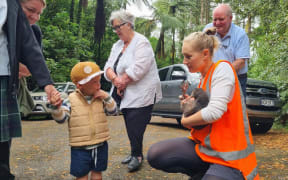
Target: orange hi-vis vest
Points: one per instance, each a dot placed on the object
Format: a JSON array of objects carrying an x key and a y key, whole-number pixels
[{"x": 227, "y": 141}]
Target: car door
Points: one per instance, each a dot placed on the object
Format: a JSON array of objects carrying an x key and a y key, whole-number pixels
[
  {"x": 171, "y": 89},
  {"x": 163, "y": 73}
]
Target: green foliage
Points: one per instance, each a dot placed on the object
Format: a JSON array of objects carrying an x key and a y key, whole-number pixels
[
  {"x": 145, "y": 26},
  {"x": 60, "y": 40},
  {"x": 66, "y": 43},
  {"x": 163, "y": 62},
  {"x": 166, "y": 61},
  {"x": 60, "y": 71},
  {"x": 153, "y": 42},
  {"x": 271, "y": 46}
]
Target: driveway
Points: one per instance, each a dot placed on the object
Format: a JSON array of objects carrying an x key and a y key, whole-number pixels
[{"x": 43, "y": 151}]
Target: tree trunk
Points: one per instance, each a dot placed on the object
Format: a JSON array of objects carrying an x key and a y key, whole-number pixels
[
  {"x": 197, "y": 16},
  {"x": 248, "y": 25},
  {"x": 173, "y": 46},
  {"x": 159, "y": 51},
  {"x": 207, "y": 12},
  {"x": 85, "y": 3},
  {"x": 202, "y": 12},
  {"x": 99, "y": 27},
  {"x": 72, "y": 10},
  {"x": 79, "y": 13}
]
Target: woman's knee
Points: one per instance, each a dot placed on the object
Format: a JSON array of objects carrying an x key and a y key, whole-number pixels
[{"x": 154, "y": 155}]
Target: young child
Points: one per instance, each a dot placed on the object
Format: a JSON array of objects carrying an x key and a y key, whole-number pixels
[{"x": 88, "y": 127}]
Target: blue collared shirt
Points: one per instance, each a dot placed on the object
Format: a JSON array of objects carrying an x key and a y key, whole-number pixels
[{"x": 234, "y": 45}]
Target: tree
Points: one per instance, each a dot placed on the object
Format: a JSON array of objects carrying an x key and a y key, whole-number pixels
[
  {"x": 99, "y": 27},
  {"x": 167, "y": 12},
  {"x": 79, "y": 12},
  {"x": 72, "y": 10}
]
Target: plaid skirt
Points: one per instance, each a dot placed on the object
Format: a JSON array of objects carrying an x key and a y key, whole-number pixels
[{"x": 10, "y": 118}]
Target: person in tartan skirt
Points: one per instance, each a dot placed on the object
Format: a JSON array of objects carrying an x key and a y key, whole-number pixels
[{"x": 17, "y": 44}]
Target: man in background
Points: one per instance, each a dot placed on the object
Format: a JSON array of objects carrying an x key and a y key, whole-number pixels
[{"x": 234, "y": 42}]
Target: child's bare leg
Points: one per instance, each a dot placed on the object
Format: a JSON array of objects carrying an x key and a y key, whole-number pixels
[
  {"x": 82, "y": 178},
  {"x": 96, "y": 175}
]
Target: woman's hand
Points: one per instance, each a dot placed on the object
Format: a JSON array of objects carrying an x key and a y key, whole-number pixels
[
  {"x": 54, "y": 97},
  {"x": 193, "y": 120},
  {"x": 120, "y": 93},
  {"x": 186, "y": 99},
  {"x": 121, "y": 82},
  {"x": 23, "y": 71}
]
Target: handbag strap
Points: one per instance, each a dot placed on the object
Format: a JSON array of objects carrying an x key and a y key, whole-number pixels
[{"x": 116, "y": 62}]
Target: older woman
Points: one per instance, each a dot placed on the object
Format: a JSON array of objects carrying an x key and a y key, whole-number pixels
[
  {"x": 224, "y": 148},
  {"x": 132, "y": 69},
  {"x": 32, "y": 9}
]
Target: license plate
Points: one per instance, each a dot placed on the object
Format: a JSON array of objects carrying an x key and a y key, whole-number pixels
[{"x": 267, "y": 102}]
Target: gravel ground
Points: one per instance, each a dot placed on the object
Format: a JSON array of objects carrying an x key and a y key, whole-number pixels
[{"x": 43, "y": 152}]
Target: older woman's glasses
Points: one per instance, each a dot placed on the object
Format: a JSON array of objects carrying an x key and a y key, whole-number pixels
[{"x": 117, "y": 28}]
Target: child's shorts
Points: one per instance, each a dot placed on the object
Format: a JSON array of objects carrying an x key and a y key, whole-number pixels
[{"x": 83, "y": 161}]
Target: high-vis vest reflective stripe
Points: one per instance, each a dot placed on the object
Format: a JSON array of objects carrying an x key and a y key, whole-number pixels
[{"x": 228, "y": 141}]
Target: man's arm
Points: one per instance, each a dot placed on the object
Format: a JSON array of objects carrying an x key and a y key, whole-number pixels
[{"x": 238, "y": 64}]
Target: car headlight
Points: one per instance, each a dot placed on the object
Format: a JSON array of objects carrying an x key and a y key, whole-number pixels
[
  {"x": 44, "y": 98},
  {"x": 278, "y": 94},
  {"x": 40, "y": 98}
]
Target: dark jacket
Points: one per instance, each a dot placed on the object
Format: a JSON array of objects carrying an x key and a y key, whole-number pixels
[
  {"x": 37, "y": 33},
  {"x": 23, "y": 46}
]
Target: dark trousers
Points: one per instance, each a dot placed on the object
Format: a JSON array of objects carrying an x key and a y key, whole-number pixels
[
  {"x": 243, "y": 81},
  {"x": 4, "y": 161},
  {"x": 136, "y": 120},
  {"x": 178, "y": 155}
]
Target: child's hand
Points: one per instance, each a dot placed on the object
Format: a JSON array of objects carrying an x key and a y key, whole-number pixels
[{"x": 100, "y": 94}]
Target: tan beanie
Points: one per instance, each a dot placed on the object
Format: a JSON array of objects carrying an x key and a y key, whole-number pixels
[{"x": 83, "y": 72}]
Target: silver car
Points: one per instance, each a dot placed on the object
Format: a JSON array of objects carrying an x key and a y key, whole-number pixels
[
  {"x": 40, "y": 98},
  {"x": 262, "y": 100}
]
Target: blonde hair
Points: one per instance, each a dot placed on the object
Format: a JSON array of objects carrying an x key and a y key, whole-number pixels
[
  {"x": 42, "y": 1},
  {"x": 201, "y": 41}
]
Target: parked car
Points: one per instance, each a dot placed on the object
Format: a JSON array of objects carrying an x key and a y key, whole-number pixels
[
  {"x": 40, "y": 98},
  {"x": 262, "y": 101}
]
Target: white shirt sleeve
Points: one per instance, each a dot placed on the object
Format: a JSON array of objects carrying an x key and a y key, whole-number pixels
[
  {"x": 115, "y": 51},
  {"x": 222, "y": 92},
  {"x": 143, "y": 61}
]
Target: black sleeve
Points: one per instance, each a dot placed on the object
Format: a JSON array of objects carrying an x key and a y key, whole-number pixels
[{"x": 38, "y": 34}]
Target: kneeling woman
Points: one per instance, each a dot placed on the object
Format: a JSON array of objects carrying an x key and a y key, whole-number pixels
[{"x": 224, "y": 148}]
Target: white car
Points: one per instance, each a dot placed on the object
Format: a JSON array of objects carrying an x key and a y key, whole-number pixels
[{"x": 40, "y": 98}]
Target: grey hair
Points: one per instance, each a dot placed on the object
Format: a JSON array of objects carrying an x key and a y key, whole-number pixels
[
  {"x": 123, "y": 16},
  {"x": 201, "y": 41}
]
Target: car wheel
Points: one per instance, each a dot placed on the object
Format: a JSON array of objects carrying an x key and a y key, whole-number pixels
[
  {"x": 23, "y": 117},
  {"x": 261, "y": 128}
]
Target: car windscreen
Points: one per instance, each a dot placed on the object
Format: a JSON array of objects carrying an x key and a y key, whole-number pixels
[{"x": 60, "y": 87}]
